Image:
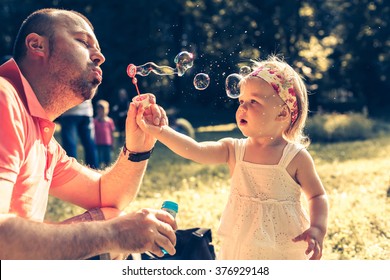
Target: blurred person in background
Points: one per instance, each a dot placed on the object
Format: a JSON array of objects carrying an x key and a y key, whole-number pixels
[
  {"x": 119, "y": 113},
  {"x": 77, "y": 123},
  {"x": 104, "y": 133}
]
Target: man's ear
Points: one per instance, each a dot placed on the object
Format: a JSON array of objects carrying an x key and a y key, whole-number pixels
[
  {"x": 36, "y": 44},
  {"x": 284, "y": 113}
]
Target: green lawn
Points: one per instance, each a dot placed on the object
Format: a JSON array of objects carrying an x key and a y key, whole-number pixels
[{"x": 355, "y": 175}]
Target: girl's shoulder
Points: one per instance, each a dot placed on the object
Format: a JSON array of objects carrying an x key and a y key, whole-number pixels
[
  {"x": 303, "y": 158},
  {"x": 231, "y": 142},
  {"x": 235, "y": 145}
]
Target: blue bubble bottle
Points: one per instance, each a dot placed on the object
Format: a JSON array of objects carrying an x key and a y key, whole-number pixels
[{"x": 172, "y": 208}]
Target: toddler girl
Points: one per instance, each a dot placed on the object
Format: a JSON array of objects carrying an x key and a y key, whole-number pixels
[
  {"x": 269, "y": 169},
  {"x": 104, "y": 133}
]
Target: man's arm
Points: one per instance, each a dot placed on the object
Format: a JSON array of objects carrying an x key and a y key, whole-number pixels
[
  {"x": 145, "y": 230},
  {"x": 121, "y": 183},
  {"x": 6, "y": 188},
  {"x": 24, "y": 239},
  {"x": 118, "y": 185}
]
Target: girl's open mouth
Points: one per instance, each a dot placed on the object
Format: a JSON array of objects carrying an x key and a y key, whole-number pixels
[{"x": 243, "y": 122}]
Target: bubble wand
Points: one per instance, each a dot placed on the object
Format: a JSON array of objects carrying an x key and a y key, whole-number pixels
[{"x": 131, "y": 72}]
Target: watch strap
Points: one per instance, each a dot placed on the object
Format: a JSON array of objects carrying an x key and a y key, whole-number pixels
[{"x": 137, "y": 157}]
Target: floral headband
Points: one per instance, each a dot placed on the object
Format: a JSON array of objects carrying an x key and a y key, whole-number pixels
[{"x": 283, "y": 87}]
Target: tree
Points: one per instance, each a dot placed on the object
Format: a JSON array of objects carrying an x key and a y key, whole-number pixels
[{"x": 334, "y": 44}]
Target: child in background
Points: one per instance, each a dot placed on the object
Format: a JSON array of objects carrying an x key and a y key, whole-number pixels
[
  {"x": 270, "y": 168},
  {"x": 104, "y": 133}
]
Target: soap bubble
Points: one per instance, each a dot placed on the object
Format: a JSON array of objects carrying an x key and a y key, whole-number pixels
[
  {"x": 201, "y": 81},
  {"x": 232, "y": 85},
  {"x": 245, "y": 70},
  {"x": 145, "y": 69},
  {"x": 184, "y": 61}
]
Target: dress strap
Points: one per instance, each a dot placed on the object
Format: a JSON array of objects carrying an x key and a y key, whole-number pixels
[
  {"x": 239, "y": 148},
  {"x": 289, "y": 152}
]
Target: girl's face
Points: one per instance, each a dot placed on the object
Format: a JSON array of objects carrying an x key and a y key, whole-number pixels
[
  {"x": 260, "y": 106},
  {"x": 100, "y": 111}
]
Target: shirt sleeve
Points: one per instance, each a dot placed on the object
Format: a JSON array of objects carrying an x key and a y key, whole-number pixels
[
  {"x": 69, "y": 170},
  {"x": 11, "y": 143},
  {"x": 66, "y": 167}
]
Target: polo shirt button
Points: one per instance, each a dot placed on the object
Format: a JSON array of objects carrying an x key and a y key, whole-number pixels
[{"x": 46, "y": 129}]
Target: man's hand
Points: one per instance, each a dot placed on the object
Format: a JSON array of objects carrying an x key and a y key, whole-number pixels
[{"x": 145, "y": 230}]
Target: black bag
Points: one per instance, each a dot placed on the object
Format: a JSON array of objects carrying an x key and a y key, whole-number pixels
[{"x": 191, "y": 244}]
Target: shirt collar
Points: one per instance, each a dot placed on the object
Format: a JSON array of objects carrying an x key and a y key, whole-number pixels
[{"x": 11, "y": 71}]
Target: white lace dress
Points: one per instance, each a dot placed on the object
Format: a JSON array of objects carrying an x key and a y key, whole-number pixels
[{"x": 264, "y": 211}]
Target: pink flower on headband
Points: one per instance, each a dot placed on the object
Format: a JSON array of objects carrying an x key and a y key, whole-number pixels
[
  {"x": 282, "y": 86},
  {"x": 276, "y": 87}
]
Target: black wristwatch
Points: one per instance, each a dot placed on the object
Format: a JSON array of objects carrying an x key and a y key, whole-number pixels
[{"x": 137, "y": 157}]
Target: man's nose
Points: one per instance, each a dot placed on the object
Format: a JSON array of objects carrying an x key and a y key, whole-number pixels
[{"x": 98, "y": 58}]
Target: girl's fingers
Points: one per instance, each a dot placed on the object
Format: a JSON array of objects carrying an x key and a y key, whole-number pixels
[
  {"x": 299, "y": 238},
  {"x": 316, "y": 251},
  {"x": 310, "y": 246}
]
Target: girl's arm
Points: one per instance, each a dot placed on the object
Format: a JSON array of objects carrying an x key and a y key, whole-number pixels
[
  {"x": 210, "y": 152},
  {"x": 312, "y": 186}
]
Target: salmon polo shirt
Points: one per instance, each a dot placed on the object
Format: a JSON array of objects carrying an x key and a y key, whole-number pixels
[{"x": 30, "y": 157}]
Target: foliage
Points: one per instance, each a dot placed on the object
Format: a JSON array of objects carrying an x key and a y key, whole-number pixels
[
  {"x": 332, "y": 43},
  {"x": 356, "y": 178},
  {"x": 355, "y": 175},
  {"x": 339, "y": 127}
]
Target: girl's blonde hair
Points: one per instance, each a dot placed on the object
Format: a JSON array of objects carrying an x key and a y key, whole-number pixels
[
  {"x": 294, "y": 133},
  {"x": 105, "y": 105}
]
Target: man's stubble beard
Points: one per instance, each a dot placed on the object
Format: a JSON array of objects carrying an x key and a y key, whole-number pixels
[{"x": 81, "y": 87}]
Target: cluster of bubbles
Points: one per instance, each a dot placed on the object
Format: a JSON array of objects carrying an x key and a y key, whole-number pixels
[{"x": 184, "y": 61}]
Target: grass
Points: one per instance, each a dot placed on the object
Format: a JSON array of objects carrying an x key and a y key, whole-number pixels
[{"x": 355, "y": 175}]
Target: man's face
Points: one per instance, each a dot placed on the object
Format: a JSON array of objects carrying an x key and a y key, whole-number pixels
[{"x": 75, "y": 58}]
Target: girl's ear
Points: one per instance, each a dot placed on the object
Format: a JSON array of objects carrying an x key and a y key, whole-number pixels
[
  {"x": 35, "y": 44},
  {"x": 284, "y": 113}
]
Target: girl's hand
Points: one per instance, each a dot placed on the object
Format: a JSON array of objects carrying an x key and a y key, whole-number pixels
[
  {"x": 314, "y": 237},
  {"x": 136, "y": 138},
  {"x": 148, "y": 124}
]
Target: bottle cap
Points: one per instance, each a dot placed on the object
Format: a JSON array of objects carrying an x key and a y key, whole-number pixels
[{"x": 170, "y": 205}]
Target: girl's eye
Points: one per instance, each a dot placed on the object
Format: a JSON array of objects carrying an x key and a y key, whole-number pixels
[{"x": 253, "y": 101}]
